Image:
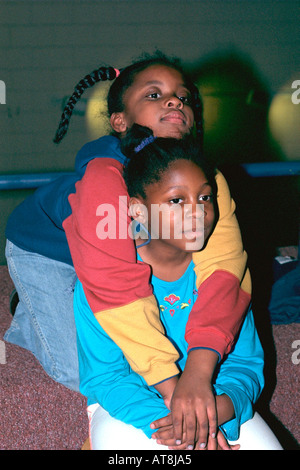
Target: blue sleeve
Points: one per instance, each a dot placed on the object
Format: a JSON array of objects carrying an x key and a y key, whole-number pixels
[
  {"x": 241, "y": 377},
  {"x": 106, "y": 377}
]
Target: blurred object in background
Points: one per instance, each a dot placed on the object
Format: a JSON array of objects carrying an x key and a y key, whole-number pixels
[
  {"x": 236, "y": 102},
  {"x": 284, "y": 119}
]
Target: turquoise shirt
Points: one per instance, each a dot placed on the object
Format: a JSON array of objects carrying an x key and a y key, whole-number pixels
[{"x": 106, "y": 377}]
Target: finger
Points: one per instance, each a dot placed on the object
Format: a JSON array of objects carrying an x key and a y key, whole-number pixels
[
  {"x": 165, "y": 421},
  {"x": 164, "y": 433},
  {"x": 202, "y": 430},
  {"x": 180, "y": 447},
  {"x": 212, "y": 421},
  {"x": 170, "y": 443},
  {"x": 177, "y": 421},
  {"x": 212, "y": 443},
  {"x": 223, "y": 444},
  {"x": 235, "y": 447},
  {"x": 191, "y": 429}
]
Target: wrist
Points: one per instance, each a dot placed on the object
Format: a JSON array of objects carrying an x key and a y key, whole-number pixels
[
  {"x": 225, "y": 408},
  {"x": 201, "y": 363},
  {"x": 166, "y": 387}
]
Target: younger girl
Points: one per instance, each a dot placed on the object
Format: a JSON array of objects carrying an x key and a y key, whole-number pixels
[
  {"x": 55, "y": 230},
  {"x": 121, "y": 405}
]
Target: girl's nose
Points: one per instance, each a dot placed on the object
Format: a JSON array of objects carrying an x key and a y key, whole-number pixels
[
  {"x": 198, "y": 211},
  {"x": 174, "y": 102},
  {"x": 195, "y": 210}
]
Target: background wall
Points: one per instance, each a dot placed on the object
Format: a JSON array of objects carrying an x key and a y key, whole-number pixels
[{"x": 46, "y": 47}]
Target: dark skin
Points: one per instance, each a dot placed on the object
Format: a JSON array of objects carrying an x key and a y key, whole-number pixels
[
  {"x": 195, "y": 412},
  {"x": 193, "y": 394},
  {"x": 160, "y": 100}
]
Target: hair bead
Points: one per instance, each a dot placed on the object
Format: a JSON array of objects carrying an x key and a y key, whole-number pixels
[{"x": 144, "y": 143}]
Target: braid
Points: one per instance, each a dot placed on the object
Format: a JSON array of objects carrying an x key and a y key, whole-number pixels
[{"x": 101, "y": 74}]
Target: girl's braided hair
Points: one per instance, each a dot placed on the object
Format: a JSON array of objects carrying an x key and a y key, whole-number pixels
[
  {"x": 123, "y": 80},
  {"x": 149, "y": 157},
  {"x": 101, "y": 74}
]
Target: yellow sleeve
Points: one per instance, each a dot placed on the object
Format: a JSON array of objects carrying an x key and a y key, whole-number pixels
[
  {"x": 136, "y": 328},
  {"x": 224, "y": 250}
]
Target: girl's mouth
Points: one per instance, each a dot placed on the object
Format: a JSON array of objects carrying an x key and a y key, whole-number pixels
[
  {"x": 191, "y": 234},
  {"x": 174, "y": 117}
]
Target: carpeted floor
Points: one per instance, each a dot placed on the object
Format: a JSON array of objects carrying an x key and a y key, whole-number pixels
[{"x": 37, "y": 413}]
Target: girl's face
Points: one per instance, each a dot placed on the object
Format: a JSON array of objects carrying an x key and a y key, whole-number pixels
[
  {"x": 158, "y": 99},
  {"x": 180, "y": 208}
]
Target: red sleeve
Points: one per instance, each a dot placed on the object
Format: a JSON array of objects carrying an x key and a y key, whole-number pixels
[
  {"x": 217, "y": 314},
  {"x": 116, "y": 286},
  {"x": 103, "y": 261}
]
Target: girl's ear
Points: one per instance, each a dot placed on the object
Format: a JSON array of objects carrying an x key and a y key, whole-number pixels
[
  {"x": 138, "y": 210},
  {"x": 118, "y": 123}
]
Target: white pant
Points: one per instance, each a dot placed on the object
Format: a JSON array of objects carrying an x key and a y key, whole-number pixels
[{"x": 107, "y": 433}]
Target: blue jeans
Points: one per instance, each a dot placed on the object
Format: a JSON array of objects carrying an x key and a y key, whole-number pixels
[{"x": 44, "y": 321}]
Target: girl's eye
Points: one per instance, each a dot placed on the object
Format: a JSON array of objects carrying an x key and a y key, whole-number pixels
[
  {"x": 154, "y": 96},
  {"x": 184, "y": 99},
  {"x": 176, "y": 200},
  {"x": 206, "y": 198}
]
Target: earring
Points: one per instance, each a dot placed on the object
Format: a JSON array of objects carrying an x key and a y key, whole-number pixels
[
  {"x": 149, "y": 236},
  {"x": 137, "y": 228}
]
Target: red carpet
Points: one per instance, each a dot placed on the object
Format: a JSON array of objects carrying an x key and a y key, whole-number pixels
[{"x": 36, "y": 413}]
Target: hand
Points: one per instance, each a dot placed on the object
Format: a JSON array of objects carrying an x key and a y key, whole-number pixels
[
  {"x": 164, "y": 433},
  {"x": 223, "y": 444},
  {"x": 194, "y": 412}
]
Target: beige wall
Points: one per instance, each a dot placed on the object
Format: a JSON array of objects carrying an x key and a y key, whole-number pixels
[{"x": 47, "y": 46}]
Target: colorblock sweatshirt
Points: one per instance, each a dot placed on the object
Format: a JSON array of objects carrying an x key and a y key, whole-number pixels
[{"x": 75, "y": 219}]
